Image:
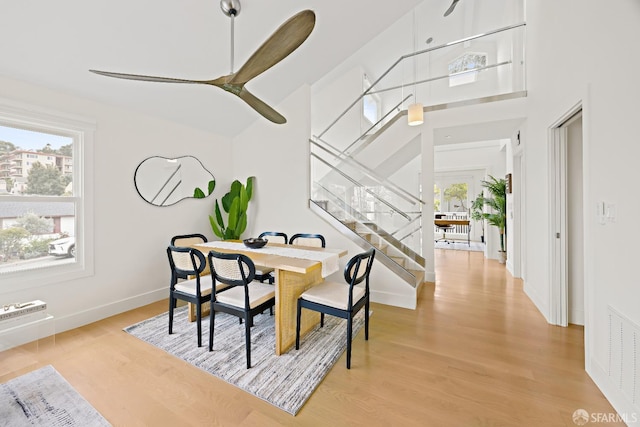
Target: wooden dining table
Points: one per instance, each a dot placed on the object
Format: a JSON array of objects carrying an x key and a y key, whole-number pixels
[{"x": 295, "y": 271}]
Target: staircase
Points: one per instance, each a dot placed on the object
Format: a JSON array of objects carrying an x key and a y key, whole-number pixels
[
  {"x": 393, "y": 254},
  {"x": 365, "y": 174}
]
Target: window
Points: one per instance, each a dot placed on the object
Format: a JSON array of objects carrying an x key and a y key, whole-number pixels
[
  {"x": 45, "y": 216},
  {"x": 436, "y": 198},
  {"x": 371, "y": 105},
  {"x": 451, "y": 196},
  {"x": 461, "y": 69}
]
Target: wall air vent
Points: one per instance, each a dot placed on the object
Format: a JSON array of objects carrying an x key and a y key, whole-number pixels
[{"x": 624, "y": 356}]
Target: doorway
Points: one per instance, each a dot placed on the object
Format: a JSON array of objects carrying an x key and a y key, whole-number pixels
[{"x": 567, "y": 219}]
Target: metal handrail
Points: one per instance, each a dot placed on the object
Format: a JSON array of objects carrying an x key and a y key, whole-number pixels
[
  {"x": 376, "y": 123},
  {"x": 400, "y": 192},
  {"x": 348, "y": 209},
  {"x": 411, "y": 233},
  {"x": 445, "y": 76},
  {"x": 410, "y": 55},
  {"x": 416, "y": 219},
  {"x": 355, "y": 182},
  {"x": 360, "y": 217}
]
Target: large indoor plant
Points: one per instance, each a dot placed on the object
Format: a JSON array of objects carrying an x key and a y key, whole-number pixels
[
  {"x": 477, "y": 212},
  {"x": 496, "y": 200},
  {"x": 235, "y": 204}
]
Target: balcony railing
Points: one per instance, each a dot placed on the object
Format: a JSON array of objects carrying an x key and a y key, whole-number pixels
[{"x": 481, "y": 66}]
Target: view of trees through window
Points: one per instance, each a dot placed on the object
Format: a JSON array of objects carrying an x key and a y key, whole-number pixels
[
  {"x": 453, "y": 198},
  {"x": 37, "y": 207}
]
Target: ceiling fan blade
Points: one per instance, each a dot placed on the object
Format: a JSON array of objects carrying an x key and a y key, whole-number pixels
[
  {"x": 287, "y": 38},
  {"x": 221, "y": 82},
  {"x": 146, "y": 78},
  {"x": 453, "y": 6},
  {"x": 266, "y": 111}
]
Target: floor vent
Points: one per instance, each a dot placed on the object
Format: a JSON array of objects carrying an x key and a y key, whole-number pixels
[{"x": 624, "y": 355}]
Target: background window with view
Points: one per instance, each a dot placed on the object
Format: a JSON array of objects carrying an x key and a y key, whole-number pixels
[{"x": 37, "y": 202}]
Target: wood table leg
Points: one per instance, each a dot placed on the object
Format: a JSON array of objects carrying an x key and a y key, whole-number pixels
[
  {"x": 192, "y": 311},
  {"x": 289, "y": 286}
]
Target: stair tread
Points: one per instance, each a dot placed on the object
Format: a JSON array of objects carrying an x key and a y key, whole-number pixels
[{"x": 395, "y": 257}]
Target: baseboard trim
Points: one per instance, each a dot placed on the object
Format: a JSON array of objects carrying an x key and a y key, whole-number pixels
[
  {"x": 542, "y": 306},
  {"x": 387, "y": 298},
  {"x": 429, "y": 276},
  {"x": 626, "y": 410},
  {"x": 576, "y": 317},
  {"x": 94, "y": 314}
]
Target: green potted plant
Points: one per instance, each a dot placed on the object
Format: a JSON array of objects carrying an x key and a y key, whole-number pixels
[
  {"x": 497, "y": 202},
  {"x": 235, "y": 204},
  {"x": 477, "y": 211}
]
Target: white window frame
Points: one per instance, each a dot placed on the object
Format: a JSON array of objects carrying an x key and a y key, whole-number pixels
[
  {"x": 81, "y": 130},
  {"x": 444, "y": 180},
  {"x": 460, "y": 74}
]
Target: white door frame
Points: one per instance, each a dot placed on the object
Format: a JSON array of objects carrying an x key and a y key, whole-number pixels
[
  {"x": 559, "y": 283},
  {"x": 518, "y": 215}
]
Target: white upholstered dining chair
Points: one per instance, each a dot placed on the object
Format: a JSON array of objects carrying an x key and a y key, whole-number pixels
[
  {"x": 340, "y": 299},
  {"x": 245, "y": 297}
]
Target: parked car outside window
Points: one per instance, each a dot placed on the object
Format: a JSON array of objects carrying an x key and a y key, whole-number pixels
[{"x": 65, "y": 247}]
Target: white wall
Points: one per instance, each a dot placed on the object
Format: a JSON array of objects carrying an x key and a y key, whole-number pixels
[
  {"x": 582, "y": 51},
  {"x": 279, "y": 158},
  {"x": 131, "y": 267},
  {"x": 332, "y": 100}
]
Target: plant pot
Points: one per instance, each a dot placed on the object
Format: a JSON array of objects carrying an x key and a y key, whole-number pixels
[{"x": 502, "y": 257}]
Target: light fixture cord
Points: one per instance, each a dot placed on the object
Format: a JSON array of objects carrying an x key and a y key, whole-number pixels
[
  {"x": 415, "y": 61},
  {"x": 233, "y": 20}
]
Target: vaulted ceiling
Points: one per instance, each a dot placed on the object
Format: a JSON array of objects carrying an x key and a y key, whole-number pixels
[{"x": 54, "y": 44}]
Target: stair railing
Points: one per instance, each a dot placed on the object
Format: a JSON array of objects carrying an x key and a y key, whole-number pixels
[{"x": 332, "y": 151}]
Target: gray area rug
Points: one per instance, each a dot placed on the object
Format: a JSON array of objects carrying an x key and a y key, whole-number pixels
[
  {"x": 285, "y": 381},
  {"x": 44, "y": 398},
  {"x": 460, "y": 246}
]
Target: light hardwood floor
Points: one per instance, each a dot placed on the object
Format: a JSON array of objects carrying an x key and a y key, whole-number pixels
[{"x": 476, "y": 352}]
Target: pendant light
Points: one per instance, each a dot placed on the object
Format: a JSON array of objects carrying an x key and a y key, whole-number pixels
[{"x": 415, "y": 114}]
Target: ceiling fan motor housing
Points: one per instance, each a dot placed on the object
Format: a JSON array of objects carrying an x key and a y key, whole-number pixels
[{"x": 230, "y": 7}]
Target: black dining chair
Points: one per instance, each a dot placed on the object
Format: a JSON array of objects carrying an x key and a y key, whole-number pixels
[
  {"x": 184, "y": 263},
  {"x": 275, "y": 237},
  {"x": 306, "y": 239},
  {"x": 245, "y": 298},
  {"x": 340, "y": 300},
  {"x": 186, "y": 240},
  {"x": 266, "y": 273}
]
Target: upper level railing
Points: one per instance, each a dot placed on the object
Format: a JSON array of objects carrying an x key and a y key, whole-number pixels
[{"x": 480, "y": 66}]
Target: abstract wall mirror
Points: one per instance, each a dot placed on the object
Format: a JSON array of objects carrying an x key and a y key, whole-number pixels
[{"x": 163, "y": 182}]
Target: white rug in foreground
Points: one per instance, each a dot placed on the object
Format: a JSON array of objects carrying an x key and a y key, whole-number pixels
[
  {"x": 44, "y": 398},
  {"x": 285, "y": 381}
]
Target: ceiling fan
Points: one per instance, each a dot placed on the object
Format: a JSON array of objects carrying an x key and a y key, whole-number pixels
[
  {"x": 287, "y": 38},
  {"x": 453, "y": 6}
]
